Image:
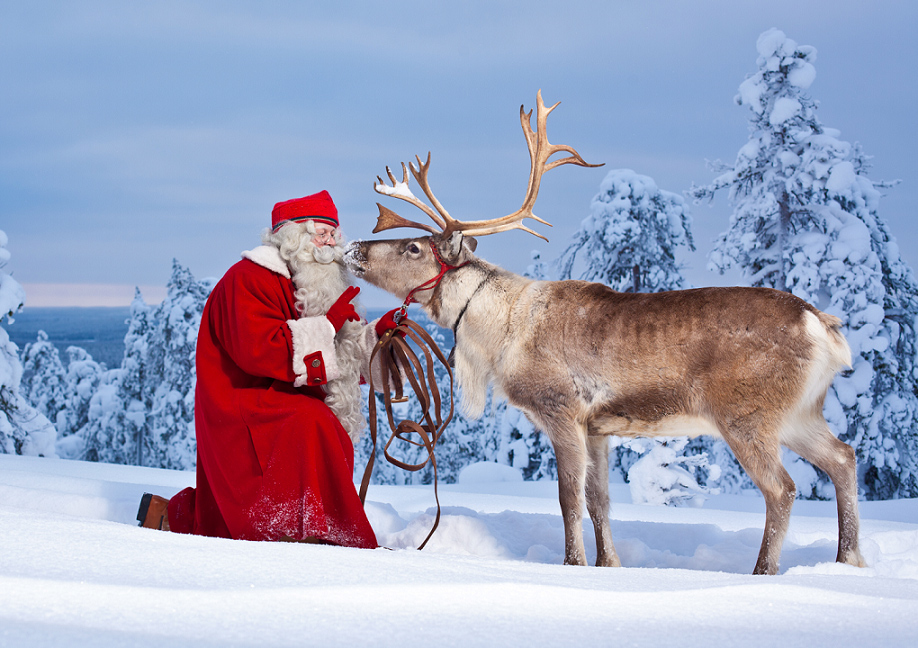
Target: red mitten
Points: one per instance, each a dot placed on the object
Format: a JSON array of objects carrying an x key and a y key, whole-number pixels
[
  {"x": 386, "y": 323},
  {"x": 343, "y": 310}
]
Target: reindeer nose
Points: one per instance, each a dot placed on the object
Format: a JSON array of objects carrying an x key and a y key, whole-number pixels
[{"x": 355, "y": 258}]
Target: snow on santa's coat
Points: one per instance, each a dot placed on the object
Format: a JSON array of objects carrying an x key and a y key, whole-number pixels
[{"x": 273, "y": 460}]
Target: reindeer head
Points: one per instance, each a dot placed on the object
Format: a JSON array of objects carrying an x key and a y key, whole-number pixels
[{"x": 398, "y": 265}]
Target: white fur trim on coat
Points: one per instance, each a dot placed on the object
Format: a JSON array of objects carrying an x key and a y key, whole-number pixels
[
  {"x": 311, "y": 334},
  {"x": 268, "y": 256}
]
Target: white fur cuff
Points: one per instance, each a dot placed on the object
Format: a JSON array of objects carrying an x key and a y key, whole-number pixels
[{"x": 312, "y": 334}]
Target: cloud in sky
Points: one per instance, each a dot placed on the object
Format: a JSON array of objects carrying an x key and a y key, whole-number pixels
[{"x": 135, "y": 133}]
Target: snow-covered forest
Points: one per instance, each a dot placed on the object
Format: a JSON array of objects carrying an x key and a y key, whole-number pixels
[{"x": 806, "y": 219}]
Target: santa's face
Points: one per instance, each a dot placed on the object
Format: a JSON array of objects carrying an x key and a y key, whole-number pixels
[{"x": 325, "y": 235}]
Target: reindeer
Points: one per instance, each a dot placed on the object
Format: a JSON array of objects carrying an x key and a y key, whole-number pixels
[{"x": 748, "y": 365}]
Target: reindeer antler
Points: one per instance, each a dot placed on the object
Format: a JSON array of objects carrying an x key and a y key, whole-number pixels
[
  {"x": 387, "y": 218},
  {"x": 540, "y": 150}
]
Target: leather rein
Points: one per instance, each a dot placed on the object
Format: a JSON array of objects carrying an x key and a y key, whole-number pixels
[{"x": 397, "y": 359}]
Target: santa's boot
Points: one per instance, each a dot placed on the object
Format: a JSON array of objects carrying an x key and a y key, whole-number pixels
[{"x": 153, "y": 512}]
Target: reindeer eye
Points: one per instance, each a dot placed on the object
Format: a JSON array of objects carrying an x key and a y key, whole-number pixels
[{"x": 413, "y": 248}]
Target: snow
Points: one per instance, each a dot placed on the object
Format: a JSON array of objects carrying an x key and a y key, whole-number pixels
[
  {"x": 632, "y": 223},
  {"x": 22, "y": 428},
  {"x": 785, "y": 108},
  {"x": 750, "y": 94},
  {"x": 75, "y": 570},
  {"x": 802, "y": 75},
  {"x": 397, "y": 190},
  {"x": 842, "y": 177},
  {"x": 771, "y": 42},
  {"x": 489, "y": 471},
  {"x": 12, "y": 294},
  {"x": 663, "y": 476}
]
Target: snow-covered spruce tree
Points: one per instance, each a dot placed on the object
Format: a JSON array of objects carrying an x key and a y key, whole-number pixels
[
  {"x": 81, "y": 382},
  {"x": 140, "y": 378},
  {"x": 118, "y": 411},
  {"x": 141, "y": 413},
  {"x": 23, "y": 429},
  {"x": 43, "y": 377},
  {"x": 522, "y": 446},
  {"x": 538, "y": 269},
  {"x": 629, "y": 242},
  {"x": 665, "y": 476},
  {"x": 105, "y": 436},
  {"x": 631, "y": 236},
  {"x": 806, "y": 220},
  {"x": 171, "y": 440}
]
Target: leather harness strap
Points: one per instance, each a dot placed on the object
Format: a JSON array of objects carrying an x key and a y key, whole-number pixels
[
  {"x": 394, "y": 353},
  {"x": 430, "y": 284},
  {"x": 397, "y": 358}
]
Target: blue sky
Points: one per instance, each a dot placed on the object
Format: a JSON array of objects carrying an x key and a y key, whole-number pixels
[{"x": 134, "y": 133}]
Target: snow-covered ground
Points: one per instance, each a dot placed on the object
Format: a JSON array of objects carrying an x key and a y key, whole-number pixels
[{"x": 75, "y": 570}]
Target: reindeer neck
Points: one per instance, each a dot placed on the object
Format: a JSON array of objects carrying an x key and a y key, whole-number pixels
[{"x": 476, "y": 300}]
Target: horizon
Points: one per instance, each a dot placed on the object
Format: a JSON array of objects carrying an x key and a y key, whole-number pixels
[
  {"x": 88, "y": 295},
  {"x": 121, "y": 296}
]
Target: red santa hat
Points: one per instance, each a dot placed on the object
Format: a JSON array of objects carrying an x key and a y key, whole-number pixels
[{"x": 318, "y": 207}]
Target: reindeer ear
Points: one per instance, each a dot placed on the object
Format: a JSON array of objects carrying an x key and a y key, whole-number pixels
[
  {"x": 471, "y": 243},
  {"x": 451, "y": 247}
]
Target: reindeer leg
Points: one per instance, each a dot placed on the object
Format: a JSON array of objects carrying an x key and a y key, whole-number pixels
[
  {"x": 758, "y": 451},
  {"x": 837, "y": 459},
  {"x": 597, "y": 500},
  {"x": 571, "y": 453},
  {"x": 779, "y": 491}
]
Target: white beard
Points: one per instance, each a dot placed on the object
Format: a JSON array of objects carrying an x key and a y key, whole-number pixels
[{"x": 320, "y": 277}]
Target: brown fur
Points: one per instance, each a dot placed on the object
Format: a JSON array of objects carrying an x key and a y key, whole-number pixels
[{"x": 750, "y": 365}]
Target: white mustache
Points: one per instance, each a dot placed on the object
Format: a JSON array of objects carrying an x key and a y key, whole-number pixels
[{"x": 326, "y": 254}]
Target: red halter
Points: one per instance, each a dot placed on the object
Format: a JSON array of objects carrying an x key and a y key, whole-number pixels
[{"x": 430, "y": 284}]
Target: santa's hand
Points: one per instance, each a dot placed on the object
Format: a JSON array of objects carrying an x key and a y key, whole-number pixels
[
  {"x": 387, "y": 323},
  {"x": 343, "y": 310}
]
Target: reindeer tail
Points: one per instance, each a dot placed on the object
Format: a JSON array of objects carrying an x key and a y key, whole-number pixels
[{"x": 838, "y": 345}]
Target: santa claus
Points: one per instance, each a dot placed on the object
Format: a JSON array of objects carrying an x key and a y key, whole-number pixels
[{"x": 280, "y": 356}]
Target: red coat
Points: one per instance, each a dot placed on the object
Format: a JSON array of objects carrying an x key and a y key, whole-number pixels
[{"x": 273, "y": 460}]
